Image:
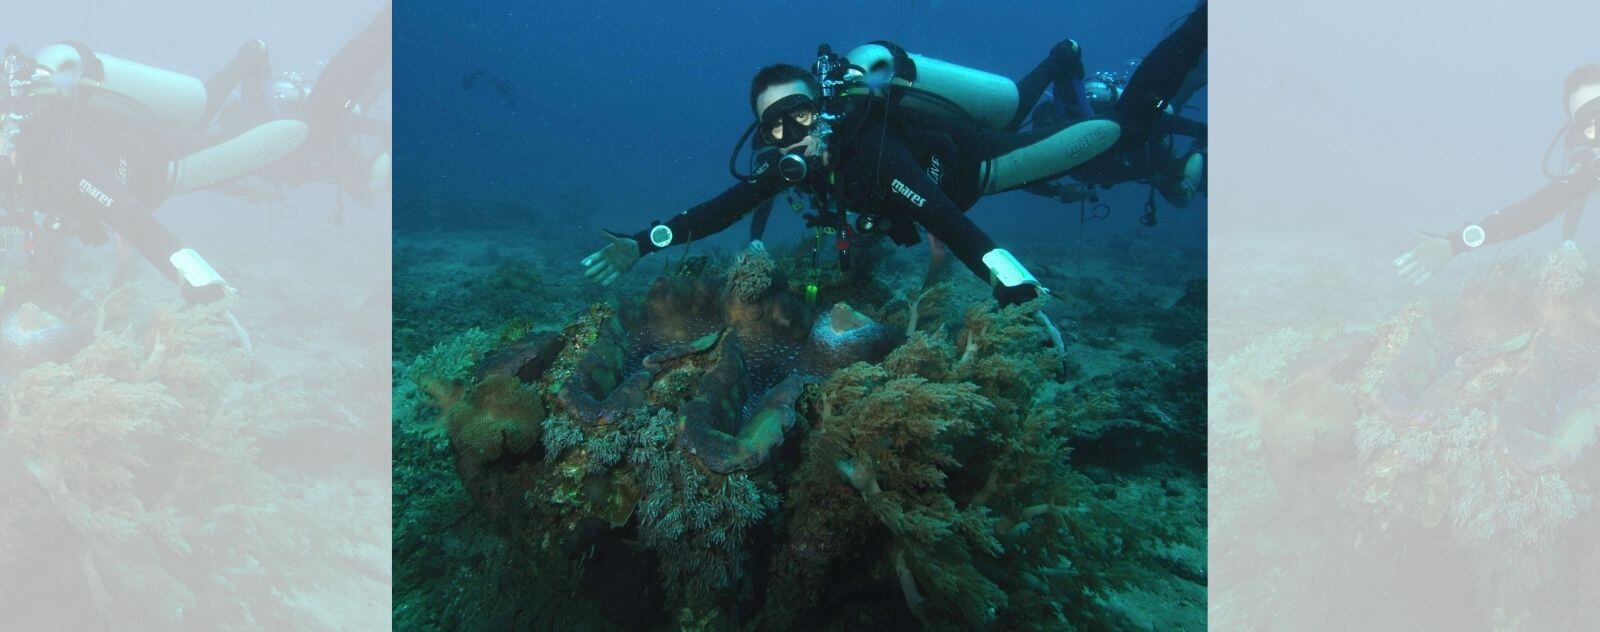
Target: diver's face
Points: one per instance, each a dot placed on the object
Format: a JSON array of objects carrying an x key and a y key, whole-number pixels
[
  {"x": 772, "y": 127},
  {"x": 1584, "y": 94}
]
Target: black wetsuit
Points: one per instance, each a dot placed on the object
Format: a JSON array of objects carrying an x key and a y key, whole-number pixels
[
  {"x": 350, "y": 80},
  {"x": 916, "y": 169},
  {"x": 1536, "y": 210},
  {"x": 86, "y": 174},
  {"x": 909, "y": 168}
]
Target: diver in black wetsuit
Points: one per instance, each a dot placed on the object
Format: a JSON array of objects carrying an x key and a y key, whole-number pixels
[
  {"x": 336, "y": 103},
  {"x": 1565, "y": 193},
  {"x": 90, "y": 141},
  {"x": 1178, "y": 177},
  {"x": 1063, "y": 66},
  {"x": 902, "y": 168}
]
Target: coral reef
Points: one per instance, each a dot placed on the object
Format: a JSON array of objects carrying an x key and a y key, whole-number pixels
[
  {"x": 1454, "y": 432},
  {"x": 1185, "y": 320},
  {"x": 152, "y": 473},
  {"x": 893, "y": 460}
]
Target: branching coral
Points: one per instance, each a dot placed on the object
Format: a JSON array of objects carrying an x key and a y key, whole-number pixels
[
  {"x": 143, "y": 465},
  {"x": 696, "y": 522},
  {"x": 966, "y": 475},
  {"x": 1005, "y": 353},
  {"x": 751, "y": 274},
  {"x": 1563, "y": 273},
  {"x": 891, "y": 438},
  {"x": 939, "y": 474}
]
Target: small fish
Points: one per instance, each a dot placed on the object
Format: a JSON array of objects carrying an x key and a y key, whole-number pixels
[{"x": 471, "y": 79}]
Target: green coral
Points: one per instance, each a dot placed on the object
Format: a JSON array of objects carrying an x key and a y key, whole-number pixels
[
  {"x": 561, "y": 434},
  {"x": 517, "y": 329},
  {"x": 445, "y": 370}
]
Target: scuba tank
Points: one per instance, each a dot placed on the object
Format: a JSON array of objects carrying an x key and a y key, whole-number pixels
[
  {"x": 125, "y": 89},
  {"x": 935, "y": 86}
]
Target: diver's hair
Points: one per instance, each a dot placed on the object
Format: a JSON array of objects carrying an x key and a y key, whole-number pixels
[
  {"x": 780, "y": 73},
  {"x": 1588, "y": 74}
]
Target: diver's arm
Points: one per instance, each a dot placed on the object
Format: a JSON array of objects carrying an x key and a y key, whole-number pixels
[
  {"x": 606, "y": 265},
  {"x": 1064, "y": 64},
  {"x": 197, "y": 281},
  {"x": 712, "y": 216},
  {"x": 83, "y": 183},
  {"x": 1522, "y": 217},
  {"x": 911, "y": 193},
  {"x": 105, "y": 198},
  {"x": 1433, "y": 252}
]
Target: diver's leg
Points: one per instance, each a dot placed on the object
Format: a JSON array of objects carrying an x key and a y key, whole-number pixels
[
  {"x": 348, "y": 76},
  {"x": 1161, "y": 76},
  {"x": 1026, "y": 158},
  {"x": 368, "y": 125},
  {"x": 1172, "y": 124},
  {"x": 250, "y": 70},
  {"x": 1191, "y": 84},
  {"x": 1064, "y": 64}
]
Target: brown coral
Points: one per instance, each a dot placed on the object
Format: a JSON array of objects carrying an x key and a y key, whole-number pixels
[
  {"x": 751, "y": 275},
  {"x": 1563, "y": 273},
  {"x": 499, "y": 417}
]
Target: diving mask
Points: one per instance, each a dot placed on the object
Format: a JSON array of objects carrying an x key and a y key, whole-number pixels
[
  {"x": 797, "y": 117},
  {"x": 793, "y": 115}
]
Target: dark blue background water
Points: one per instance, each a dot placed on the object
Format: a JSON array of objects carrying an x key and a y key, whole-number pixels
[{"x": 635, "y": 105}]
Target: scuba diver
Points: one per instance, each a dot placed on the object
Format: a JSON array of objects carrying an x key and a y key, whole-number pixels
[
  {"x": 1566, "y": 191},
  {"x": 905, "y": 141},
  {"x": 89, "y": 141},
  {"x": 1177, "y": 176},
  {"x": 335, "y": 101},
  {"x": 1063, "y": 66}
]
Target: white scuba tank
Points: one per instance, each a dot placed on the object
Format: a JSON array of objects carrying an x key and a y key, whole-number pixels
[
  {"x": 173, "y": 98},
  {"x": 988, "y": 98}
]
